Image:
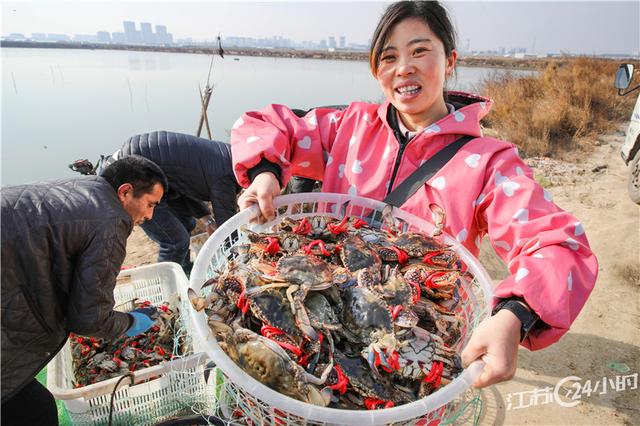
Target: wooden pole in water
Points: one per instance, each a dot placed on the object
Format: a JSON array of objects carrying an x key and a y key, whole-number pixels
[{"x": 205, "y": 96}]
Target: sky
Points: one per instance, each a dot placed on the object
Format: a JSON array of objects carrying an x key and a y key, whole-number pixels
[{"x": 588, "y": 27}]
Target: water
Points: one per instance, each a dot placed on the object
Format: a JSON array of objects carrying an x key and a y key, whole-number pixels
[{"x": 61, "y": 105}]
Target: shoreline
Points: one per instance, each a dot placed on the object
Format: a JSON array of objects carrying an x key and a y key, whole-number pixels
[{"x": 341, "y": 55}]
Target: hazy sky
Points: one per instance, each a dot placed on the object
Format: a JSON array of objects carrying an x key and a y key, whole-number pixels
[{"x": 577, "y": 26}]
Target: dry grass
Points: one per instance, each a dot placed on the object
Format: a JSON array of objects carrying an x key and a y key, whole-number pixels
[
  {"x": 628, "y": 273},
  {"x": 566, "y": 104}
]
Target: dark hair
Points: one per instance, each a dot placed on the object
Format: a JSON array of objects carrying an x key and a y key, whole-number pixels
[
  {"x": 431, "y": 13},
  {"x": 142, "y": 173}
]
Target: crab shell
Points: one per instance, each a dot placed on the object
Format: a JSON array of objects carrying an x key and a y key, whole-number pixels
[
  {"x": 357, "y": 254},
  {"x": 417, "y": 353},
  {"x": 272, "y": 308},
  {"x": 268, "y": 363},
  {"x": 360, "y": 378},
  {"x": 321, "y": 312},
  {"x": 365, "y": 313},
  {"x": 301, "y": 268}
]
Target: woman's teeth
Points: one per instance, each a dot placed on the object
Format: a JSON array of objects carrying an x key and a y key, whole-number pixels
[{"x": 408, "y": 90}]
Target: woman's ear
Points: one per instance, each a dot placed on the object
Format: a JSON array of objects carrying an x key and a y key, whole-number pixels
[{"x": 451, "y": 64}]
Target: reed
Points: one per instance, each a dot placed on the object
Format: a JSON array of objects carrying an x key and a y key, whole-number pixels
[{"x": 561, "y": 109}]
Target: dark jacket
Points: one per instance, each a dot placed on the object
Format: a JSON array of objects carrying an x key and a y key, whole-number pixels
[
  {"x": 63, "y": 243},
  {"x": 197, "y": 169}
]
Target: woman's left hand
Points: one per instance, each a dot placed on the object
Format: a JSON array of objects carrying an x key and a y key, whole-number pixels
[{"x": 496, "y": 342}]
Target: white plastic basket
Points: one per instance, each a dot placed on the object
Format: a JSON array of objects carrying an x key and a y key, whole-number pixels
[
  {"x": 175, "y": 385},
  {"x": 244, "y": 399}
]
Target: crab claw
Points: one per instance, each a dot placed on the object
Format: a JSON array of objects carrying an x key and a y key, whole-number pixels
[
  {"x": 198, "y": 303},
  {"x": 321, "y": 398},
  {"x": 377, "y": 353},
  {"x": 439, "y": 218}
]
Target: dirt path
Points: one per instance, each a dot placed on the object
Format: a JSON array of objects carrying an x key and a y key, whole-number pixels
[{"x": 607, "y": 330}]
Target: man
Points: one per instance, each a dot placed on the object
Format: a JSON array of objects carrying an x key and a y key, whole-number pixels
[
  {"x": 198, "y": 171},
  {"x": 63, "y": 243}
]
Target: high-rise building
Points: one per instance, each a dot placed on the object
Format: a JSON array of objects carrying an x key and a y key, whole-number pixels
[
  {"x": 343, "y": 42},
  {"x": 161, "y": 34},
  {"x": 118, "y": 38},
  {"x": 103, "y": 37},
  {"x": 130, "y": 33},
  {"x": 332, "y": 42},
  {"x": 147, "y": 33}
]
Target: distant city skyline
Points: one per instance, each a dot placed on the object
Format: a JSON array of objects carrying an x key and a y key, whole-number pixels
[{"x": 534, "y": 27}]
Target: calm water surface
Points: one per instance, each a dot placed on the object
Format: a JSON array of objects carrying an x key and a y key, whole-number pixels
[{"x": 61, "y": 105}]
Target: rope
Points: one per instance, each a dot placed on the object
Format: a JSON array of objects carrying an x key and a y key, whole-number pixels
[
  {"x": 113, "y": 394},
  {"x": 477, "y": 411}
]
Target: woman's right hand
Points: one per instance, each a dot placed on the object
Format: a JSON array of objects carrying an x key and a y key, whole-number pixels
[{"x": 261, "y": 191}]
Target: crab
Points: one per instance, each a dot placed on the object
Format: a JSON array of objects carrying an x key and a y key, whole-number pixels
[
  {"x": 321, "y": 313},
  {"x": 306, "y": 273},
  {"x": 240, "y": 281},
  {"x": 375, "y": 391},
  {"x": 270, "y": 364},
  {"x": 426, "y": 356},
  {"x": 367, "y": 320},
  {"x": 316, "y": 226},
  {"x": 446, "y": 322},
  {"x": 357, "y": 255},
  {"x": 439, "y": 284}
]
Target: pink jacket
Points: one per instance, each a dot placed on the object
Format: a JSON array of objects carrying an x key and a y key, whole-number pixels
[{"x": 486, "y": 189}]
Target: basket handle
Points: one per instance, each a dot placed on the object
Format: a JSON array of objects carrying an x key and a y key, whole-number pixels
[{"x": 474, "y": 370}]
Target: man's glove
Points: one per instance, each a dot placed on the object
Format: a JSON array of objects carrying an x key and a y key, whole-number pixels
[{"x": 143, "y": 319}]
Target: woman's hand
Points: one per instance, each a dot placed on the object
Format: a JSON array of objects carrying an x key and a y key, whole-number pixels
[
  {"x": 495, "y": 341},
  {"x": 261, "y": 191}
]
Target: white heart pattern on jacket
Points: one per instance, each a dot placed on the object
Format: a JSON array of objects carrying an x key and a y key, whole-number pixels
[
  {"x": 522, "y": 216},
  {"x": 502, "y": 244},
  {"x": 473, "y": 160},
  {"x": 352, "y": 190},
  {"x": 356, "y": 167},
  {"x": 508, "y": 186},
  {"x": 572, "y": 244},
  {"x": 579, "y": 229},
  {"x": 239, "y": 122},
  {"x": 462, "y": 235},
  {"x": 341, "y": 171},
  {"x": 522, "y": 272},
  {"x": 569, "y": 281},
  {"x": 439, "y": 183},
  {"x": 459, "y": 116},
  {"x": 434, "y": 128},
  {"x": 305, "y": 143}
]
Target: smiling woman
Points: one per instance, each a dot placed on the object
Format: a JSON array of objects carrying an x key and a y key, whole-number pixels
[{"x": 485, "y": 189}]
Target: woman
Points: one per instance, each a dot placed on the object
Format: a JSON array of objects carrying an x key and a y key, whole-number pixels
[{"x": 485, "y": 189}]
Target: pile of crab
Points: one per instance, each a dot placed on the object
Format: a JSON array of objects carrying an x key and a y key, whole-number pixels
[
  {"x": 95, "y": 360},
  {"x": 337, "y": 313}
]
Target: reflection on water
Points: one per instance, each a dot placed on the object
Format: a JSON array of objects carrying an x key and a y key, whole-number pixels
[{"x": 61, "y": 105}]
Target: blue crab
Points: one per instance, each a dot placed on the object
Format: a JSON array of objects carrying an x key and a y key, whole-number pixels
[
  {"x": 367, "y": 320},
  {"x": 264, "y": 360},
  {"x": 426, "y": 356}
]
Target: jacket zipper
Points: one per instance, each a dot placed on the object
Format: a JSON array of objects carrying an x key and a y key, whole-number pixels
[{"x": 396, "y": 166}]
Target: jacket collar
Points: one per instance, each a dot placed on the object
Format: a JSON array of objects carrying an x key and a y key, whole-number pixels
[{"x": 470, "y": 109}]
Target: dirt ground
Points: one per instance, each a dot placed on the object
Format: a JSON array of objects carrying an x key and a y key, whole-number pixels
[{"x": 603, "y": 344}]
